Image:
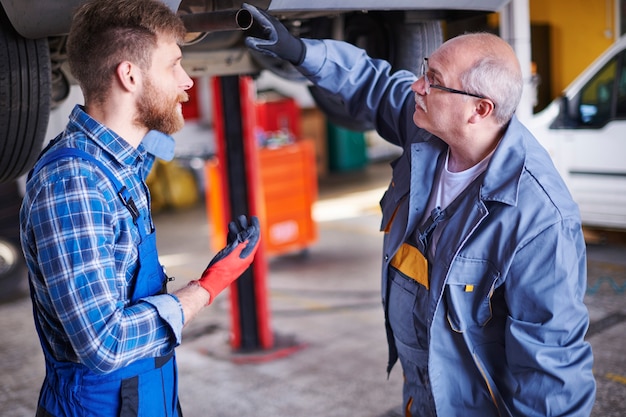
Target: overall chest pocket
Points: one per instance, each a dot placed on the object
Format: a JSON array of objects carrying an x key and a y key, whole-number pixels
[{"x": 468, "y": 292}]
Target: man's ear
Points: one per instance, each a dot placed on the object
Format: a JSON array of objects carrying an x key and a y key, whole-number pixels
[
  {"x": 483, "y": 109},
  {"x": 128, "y": 75}
]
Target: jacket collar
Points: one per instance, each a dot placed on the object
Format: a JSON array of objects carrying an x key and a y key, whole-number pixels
[{"x": 501, "y": 182}]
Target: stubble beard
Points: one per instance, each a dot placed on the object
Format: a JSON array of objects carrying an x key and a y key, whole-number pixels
[{"x": 157, "y": 111}]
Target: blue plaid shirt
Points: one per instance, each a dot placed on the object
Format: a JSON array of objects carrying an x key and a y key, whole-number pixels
[{"x": 80, "y": 245}]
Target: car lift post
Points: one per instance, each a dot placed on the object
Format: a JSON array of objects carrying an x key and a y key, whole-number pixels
[
  {"x": 236, "y": 178},
  {"x": 234, "y": 120}
]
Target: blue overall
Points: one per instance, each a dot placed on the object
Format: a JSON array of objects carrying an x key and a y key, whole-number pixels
[{"x": 147, "y": 387}]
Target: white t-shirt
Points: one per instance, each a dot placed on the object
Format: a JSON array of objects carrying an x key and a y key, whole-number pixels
[{"x": 448, "y": 185}]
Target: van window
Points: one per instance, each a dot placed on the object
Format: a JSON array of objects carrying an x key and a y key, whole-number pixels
[
  {"x": 603, "y": 98},
  {"x": 597, "y": 95}
]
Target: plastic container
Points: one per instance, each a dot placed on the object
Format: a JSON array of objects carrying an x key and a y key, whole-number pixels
[{"x": 347, "y": 150}]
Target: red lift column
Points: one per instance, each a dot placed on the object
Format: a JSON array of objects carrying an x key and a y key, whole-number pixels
[{"x": 234, "y": 122}]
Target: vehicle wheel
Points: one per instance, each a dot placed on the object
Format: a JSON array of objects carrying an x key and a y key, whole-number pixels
[
  {"x": 24, "y": 99},
  {"x": 385, "y": 36},
  {"x": 13, "y": 274}
]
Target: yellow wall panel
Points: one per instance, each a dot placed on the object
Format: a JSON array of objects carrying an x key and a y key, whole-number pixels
[{"x": 579, "y": 31}]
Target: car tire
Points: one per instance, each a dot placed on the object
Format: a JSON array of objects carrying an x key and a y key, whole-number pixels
[
  {"x": 385, "y": 36},
  {"x": 13, "y": 272},
  {"x": 25, "y": 89}
]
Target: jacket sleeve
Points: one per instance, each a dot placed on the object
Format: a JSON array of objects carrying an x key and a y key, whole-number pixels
[
  {"x": 366, "y": 86},
  {"x": 545, "y": 330}
]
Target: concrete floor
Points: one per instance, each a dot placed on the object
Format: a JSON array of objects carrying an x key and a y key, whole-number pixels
[{"x": 326, "y": 306}]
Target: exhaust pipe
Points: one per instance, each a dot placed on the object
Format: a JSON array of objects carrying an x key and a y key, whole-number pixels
[{"x": 217, "y": 21}]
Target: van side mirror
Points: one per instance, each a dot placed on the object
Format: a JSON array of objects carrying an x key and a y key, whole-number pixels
[{"x": 564, "y": 119}]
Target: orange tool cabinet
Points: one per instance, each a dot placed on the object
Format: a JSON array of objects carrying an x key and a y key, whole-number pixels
[{"x": 288, "y": 189}]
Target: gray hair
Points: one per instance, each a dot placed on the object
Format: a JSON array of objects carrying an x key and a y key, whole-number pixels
[{"x": 498, "y": 79}]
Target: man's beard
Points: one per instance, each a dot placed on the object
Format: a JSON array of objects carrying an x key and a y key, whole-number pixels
[{"x": 156, "y": 111}]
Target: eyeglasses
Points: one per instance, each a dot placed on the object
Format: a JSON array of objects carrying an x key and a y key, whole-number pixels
[{"x": 428, "y": 84}]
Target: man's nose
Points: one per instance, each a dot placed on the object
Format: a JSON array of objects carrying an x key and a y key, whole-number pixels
[
  {"x": 419, "y": 86},
  {"x": 187, "y": 81}
]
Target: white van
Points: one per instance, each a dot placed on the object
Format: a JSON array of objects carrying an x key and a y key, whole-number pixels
[{"x": 584, "y": 131}]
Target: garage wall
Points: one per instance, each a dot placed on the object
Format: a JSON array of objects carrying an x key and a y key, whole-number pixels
[{"x": 579, "y": 31}]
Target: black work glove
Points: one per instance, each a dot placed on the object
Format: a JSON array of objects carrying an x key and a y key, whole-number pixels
[{"x": 268, "y": 36}]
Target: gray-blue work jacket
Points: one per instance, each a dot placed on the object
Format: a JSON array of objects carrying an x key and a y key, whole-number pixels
[{"x": 505, "y": 316}]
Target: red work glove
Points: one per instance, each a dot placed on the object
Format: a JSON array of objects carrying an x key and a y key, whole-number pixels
[{"x": 234, "y": 259}]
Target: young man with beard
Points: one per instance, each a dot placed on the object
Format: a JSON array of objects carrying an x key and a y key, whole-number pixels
[
  {"x": 107, "y": 327},
  {"x": 483, "y": 264}
]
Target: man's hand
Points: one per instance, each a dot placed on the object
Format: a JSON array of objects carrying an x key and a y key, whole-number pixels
[
  {"x": 234, "y": 259},
  {"x": 268, "y": 36}
]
